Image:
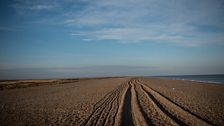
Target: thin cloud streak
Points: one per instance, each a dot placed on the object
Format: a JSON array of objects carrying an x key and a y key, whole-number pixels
[
  {"x": 151, "y": 21},
  {"x": 24, "y": 7},
  {"x": 129, "y": 21}
]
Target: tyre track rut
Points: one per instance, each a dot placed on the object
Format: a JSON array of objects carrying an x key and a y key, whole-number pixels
[
  {"x": 133, "y": 103},
  {"x": 179, "y": 115},
  {"x": 105, "y": 111}
]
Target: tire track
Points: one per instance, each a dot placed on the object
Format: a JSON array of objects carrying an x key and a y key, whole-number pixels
[
  {"x": 144, "y": 113},
  {"x": 152, "y": 113},
  {"x": 133, "y": 113},
  {"x": 105, "y": 112},
  {"x": 127, "y": 119},
  {"x": 137, "y": 111},
  {"x": 120, "y": 104},
  {"x": 133, "y": 103},
  {"x": 199, "y": 117},
  {"x": 106, "y": 109},
  {"x": 174, "y": 111},
  {"x": 111, "y": 119},
  {"x": 99, "y": 113}
]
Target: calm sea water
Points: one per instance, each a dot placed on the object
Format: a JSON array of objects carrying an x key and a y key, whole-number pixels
[{"x": 201, "y": 78}]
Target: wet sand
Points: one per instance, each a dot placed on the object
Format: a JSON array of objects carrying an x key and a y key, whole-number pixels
[{"x": 113, "y": 101}]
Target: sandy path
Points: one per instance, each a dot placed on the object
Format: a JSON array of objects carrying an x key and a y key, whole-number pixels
[{"x": 105, "y": 102}]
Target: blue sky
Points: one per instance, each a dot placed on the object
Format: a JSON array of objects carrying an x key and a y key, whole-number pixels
[{"x": 79, "y": 38}]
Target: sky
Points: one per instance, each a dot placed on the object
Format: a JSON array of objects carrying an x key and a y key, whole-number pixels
[{"x": 42, "y": 39}]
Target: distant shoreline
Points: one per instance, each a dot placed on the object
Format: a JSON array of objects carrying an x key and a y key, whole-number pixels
[{"x": 213, "y": 78}]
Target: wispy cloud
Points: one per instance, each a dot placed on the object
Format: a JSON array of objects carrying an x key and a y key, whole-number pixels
[
  {"x": 137, "y": 21},
  {"x": 182, "y": 22},
  {"x": 29, "y": 7}
]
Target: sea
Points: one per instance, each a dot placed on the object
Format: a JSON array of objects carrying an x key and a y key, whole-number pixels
[{"x": 199, "y": 78}]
